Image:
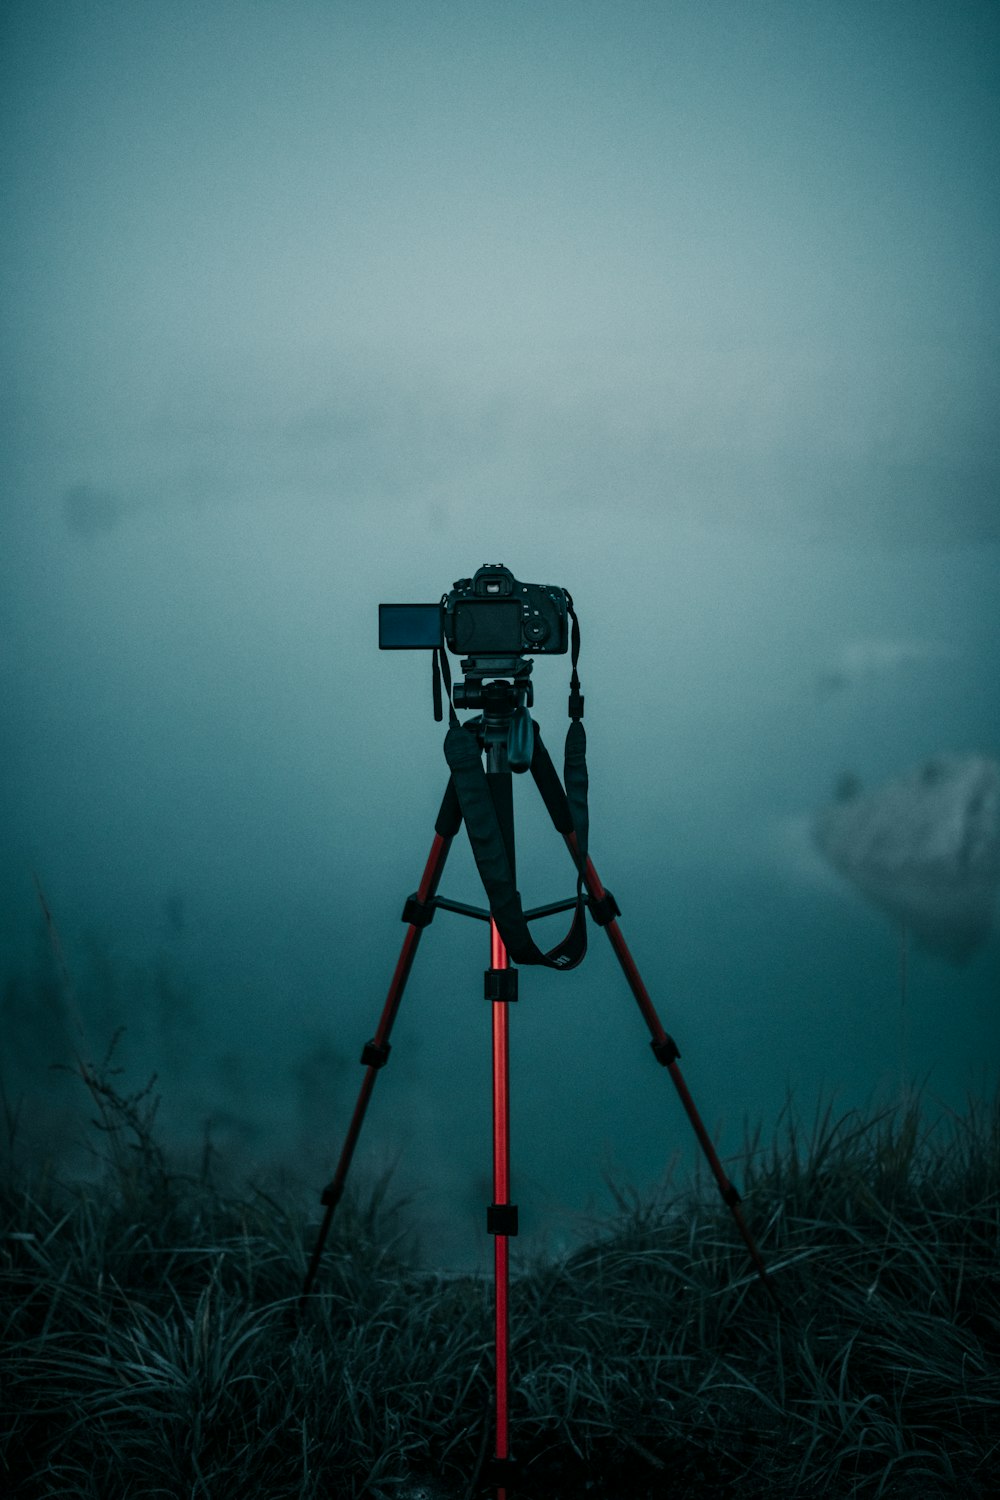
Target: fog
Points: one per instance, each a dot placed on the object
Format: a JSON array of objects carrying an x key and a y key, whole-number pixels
[{"x": 689, "y": 309}]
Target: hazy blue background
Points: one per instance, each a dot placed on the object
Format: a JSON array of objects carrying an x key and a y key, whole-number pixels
[{"x": 688, "y": 307}]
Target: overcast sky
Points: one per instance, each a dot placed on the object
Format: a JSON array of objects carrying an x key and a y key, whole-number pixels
[{"x": 731, "y": 258}]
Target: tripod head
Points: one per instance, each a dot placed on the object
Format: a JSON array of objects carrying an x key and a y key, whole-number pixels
[
  {"x": 504, "y": 729},
  {"x": 473, "y": 691}
]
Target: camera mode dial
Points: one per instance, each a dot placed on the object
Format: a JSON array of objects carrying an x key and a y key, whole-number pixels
[{"x": 536, "y": 627}]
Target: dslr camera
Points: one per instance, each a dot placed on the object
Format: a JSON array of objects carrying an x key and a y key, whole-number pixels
[{"x": 488, "y": 615}]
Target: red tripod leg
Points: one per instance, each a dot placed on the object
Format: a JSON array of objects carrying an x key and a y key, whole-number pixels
[
  {"x": 501, "y": 1218},
  {"x": 666, "y": 1052},
  {"x": 417, "y": 912}
]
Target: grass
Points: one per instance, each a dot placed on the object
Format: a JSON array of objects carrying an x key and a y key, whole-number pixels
[{"x": 152, "y": 1347}]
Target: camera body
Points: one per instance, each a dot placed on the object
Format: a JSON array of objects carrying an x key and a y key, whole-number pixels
[{"x": 492, "y": 614}]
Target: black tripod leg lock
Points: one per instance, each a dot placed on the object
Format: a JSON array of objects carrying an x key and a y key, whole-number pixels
[
  {"x": 605, "y": 910},
  {"x": 500, "y": 984},
  {"x": 666, "y": 1051},
  {"x": 332, "y": 1194},
  {"x": 375, "y": 1054},
  {"x": 501, "y": 1218},
  {"x": 418, "y": 913}
]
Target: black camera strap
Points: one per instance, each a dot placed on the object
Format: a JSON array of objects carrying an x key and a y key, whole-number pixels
[
  {"x": 575, "y": 762},
  {"x": 439, "y": 669},
  {"x": 479, "y": 811},
  {"x": 567, "y": 807}
]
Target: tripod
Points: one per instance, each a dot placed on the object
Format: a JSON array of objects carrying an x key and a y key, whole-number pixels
[{"x": 510, "y": 740}]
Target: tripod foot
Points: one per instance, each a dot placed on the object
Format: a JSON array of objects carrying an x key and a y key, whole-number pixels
[{"x": 500, "y": 1473}]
